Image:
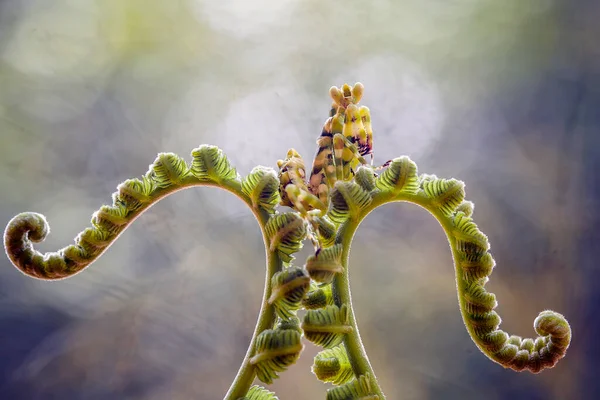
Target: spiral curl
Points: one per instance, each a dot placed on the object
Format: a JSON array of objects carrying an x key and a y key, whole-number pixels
[{"x": 167, "y": 174}]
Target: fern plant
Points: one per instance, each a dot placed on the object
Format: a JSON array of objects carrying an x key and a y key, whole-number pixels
[{"x": 327, "y": 208}]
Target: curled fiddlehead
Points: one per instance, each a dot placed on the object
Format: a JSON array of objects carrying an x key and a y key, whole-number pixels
[
  {"x": 260, "y": 393},
  {"x": 167, "y": 174},
  {"x": 332, "y": 365},
  {"x": 444, "y": 199},
  {"x": 341, "y": 191},
  {"x": 288, "y": 289},
  {"x": 276, "y": 350},
  {"x": 323, "y": 266}
]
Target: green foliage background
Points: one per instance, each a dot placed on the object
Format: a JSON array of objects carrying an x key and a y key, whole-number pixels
[{"x": 503, "y": 95}]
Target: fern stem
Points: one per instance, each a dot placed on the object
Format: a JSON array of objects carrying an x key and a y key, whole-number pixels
[
  {"x": 266, "y": 319},
  {"x": 341, "y": 295}
]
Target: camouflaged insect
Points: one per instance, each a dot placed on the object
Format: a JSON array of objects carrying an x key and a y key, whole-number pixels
[
  {"x": 327, "y": 206},
  {"x": 346, "y": 138}
]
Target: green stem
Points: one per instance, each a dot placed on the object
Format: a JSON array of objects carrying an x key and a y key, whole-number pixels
[
  {"x": 266, "y": 319},
  {"x": 341, "y": 295},
  {"x": 341, "y": 284}
]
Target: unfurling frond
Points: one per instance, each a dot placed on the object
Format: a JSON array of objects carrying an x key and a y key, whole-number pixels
[
  {"x": 262, "y": 187},
  {"x": 326, "y": 327},
  {"x": 357, "y": 389},
  {"x": 211, "y": 164},
  {"x": 276, "y": 350},
  {"x": 318, "y": 297},
  {"x": 260, "y": 393},
  {"x": 400, "y": 176},
  {"x": 327, "y": 209},
  {"x": 347, "y": 200},
  {"x": 135, "y": 193},
  {"x": 466, "y": 207},
  {"x": 325, "y": 230},
  {"x": 332, "y": 365},
  {"x": 365, "y": 177},
  {"x": 286, "y": 232},
  {"x": 325, "y": 264},
  {"x": 444, "y": 194},
  {"x": 168, "y": 169},
  {"x": 289, "y": 287}
]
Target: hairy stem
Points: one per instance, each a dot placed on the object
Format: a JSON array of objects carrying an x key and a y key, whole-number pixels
[
  {"x": 476, "y": 304},
  {"x": 266, "y": 319},
  {"x": 167, "y": 175},
  {"x": 341, "y": 295}
]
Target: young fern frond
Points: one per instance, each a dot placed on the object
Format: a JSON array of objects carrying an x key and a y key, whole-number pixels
[
  {"x": 347, "y": 200},
  {"x": 262, "y": 188},
  {"x": 323, "y": 265},
  {"x": 260, "y": 393},
  {"x": 168, "y": 169},
  {"x": 365, "y": 178},
  {"x": 318, "y": 297},
  {"x": 332, "y": 365},
  {"x": 357, "y": 389},
  {"x": 326, "y": 327},
  {"x": 286, "y": 233},
  {"x": 166, "y": 175},
  {"x": 210, "y": 163},
  {"x": 325, "y": 230},
  {"x": 400, "y": 176},
  {"x": 288, "y": 289},
  {"x": 276, "y": 350},
  {"x": 341, "y": 191},
  {"x": 445, "y": 194},
  {"x": 444, "y": 199},
  {"x": 466, "y": 207}
]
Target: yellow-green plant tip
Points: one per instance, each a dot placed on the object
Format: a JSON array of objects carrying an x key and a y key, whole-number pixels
[
  {"x": 289, "y": 287},
  {"x": 210, "y": 163},
  {"x": 494, "y": 341},
  {"x": 332, "y": 365},
  {"x": 485, "y": 323},
  {"x": 527, "y": 344},
  {"x": 400, "y": 176},
  {"x": 471, "y": 243},
  {"x": 111, "y": 218},
  {"x": 292, "y": 323},
  {"x": 286, "y": 232},
  {"x": 325, "y": 264},
  {"x": 365, "y": 178},
  {"x": 76, "y": 254},
  {"x": 318, "y": 297},
  {"x": 20, "y": 234},
  {"x": 262, "y": 187},
  {"x": 93, "y": 241},
  {"x": 517, "y": 353},
  {"x": 135, "y": 193},
  {"x": 326, "y": 230},
  {"x": 476, "y": 269},
  {"x": 552, "y": 323},
  {"x": 326, "y": 327},
  {"x": 466, "y": 207},
  {"x": 259, "y": 393},
  {"x": 357, "y": 389},
  {"x": 444, "y": 194},
  {"x": 168, "y": 169},
  {"x": 347, "y": 200},
  {"x": 275, "y": 351},
  {"x": 506, "y": 353},
  {"x": 478, "y": 301}
]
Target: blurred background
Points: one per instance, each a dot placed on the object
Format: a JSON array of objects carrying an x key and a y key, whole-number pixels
[{"x": 504, "y": 95}]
